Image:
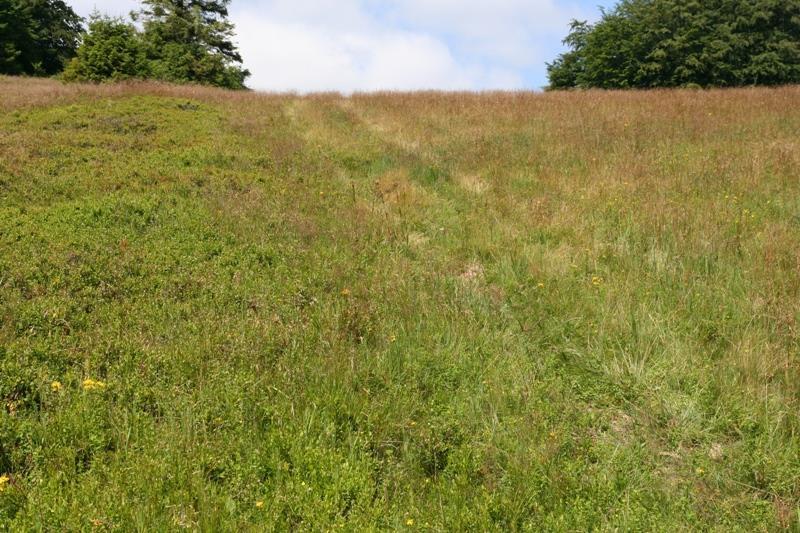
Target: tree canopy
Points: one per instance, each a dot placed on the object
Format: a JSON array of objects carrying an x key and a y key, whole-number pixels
[
  {"x": 111, "y": 50},
  {"x": 190, "y": 41},
  {"x": 37, "y": 37},
  {"x": 674, "y": 43},
  {"x": 182, "y": 41}
]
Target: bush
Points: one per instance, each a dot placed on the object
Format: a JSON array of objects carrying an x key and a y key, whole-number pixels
[
  {"x": 178, "y": 43},
  {"x": 111, "y": 50}
]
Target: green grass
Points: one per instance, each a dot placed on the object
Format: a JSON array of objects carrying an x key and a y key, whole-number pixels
[{"x": 433, "y": 312}]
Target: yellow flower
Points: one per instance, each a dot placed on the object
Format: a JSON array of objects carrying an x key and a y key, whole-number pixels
[
  {"x": 699, "y": 471},
  {"x": 91, "y": 384},
  {"x": 540, "y": 285},
  {"x": 410, "y": 522},
  {"x": 392, "y": 338},
  {"x": 4, "y": 479},
  {"x": 345, "y": 292},
  {"x": 259, "y": 504},
  {"x": 597, "y": 281},
  {"x": 56, "y": 386}
]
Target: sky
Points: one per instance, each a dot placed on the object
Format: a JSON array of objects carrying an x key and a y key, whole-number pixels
[{"x": 367, "y": 45}]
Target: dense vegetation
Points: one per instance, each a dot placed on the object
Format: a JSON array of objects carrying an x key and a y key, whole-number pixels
[
  {"x": 183, "y": 41},
  {"x": 190, "y": 40},
  {"x": 111, "y": 50},
  {"x": 37, "y": 37},
  {"x": 227, "y": 311},
  {"x": 672, "y": 43}
]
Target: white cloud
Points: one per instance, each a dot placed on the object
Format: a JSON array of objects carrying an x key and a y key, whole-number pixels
[
  {"x": 509, "y": 31},
  {"x": 314, "y": 57},
  {"x": 347, "y": 45},
  {"x": 351, "y": 45}
]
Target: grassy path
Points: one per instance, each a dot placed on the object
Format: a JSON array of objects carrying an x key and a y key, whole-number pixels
[{"x": 229, "y": 311}]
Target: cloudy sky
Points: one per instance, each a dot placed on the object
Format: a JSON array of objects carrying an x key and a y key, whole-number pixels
[{"x": 361, "y": 45}]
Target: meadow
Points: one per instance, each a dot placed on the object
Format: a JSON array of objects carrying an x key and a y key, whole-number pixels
[{"x": 232, "y": 311}]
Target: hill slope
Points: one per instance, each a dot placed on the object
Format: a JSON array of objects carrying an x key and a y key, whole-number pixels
[{"x": 233, "y": 311}]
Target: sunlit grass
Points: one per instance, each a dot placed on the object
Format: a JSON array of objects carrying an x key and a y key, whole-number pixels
[{"x": 227, "y": 311}]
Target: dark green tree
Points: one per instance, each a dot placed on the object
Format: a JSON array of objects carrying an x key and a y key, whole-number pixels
[
  {"x": 672, "y": 43},
  {"x": 566, "y": 70},
  {"x": 112, "y": 50},
  {"x": 191, "y": 41},
  {"x": 37, "y": 37}
]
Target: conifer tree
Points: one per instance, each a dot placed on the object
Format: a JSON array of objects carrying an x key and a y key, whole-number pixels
[
  {"x": 37, "y": 37},
  {"x": 111, "y": 50},
  {"x": 191, "y": 41}
]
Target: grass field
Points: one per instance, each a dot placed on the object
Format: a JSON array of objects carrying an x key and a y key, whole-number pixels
[{"x": 441, "y": 312}]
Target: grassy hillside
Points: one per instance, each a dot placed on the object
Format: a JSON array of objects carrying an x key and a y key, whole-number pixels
[{"x": 230, "y": 311}]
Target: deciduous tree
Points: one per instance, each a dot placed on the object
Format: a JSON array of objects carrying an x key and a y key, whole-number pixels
[{"x": 672, "y": 43}]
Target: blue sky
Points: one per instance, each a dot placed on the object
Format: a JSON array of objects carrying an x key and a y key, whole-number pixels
[{"x": 363, "y": 45}]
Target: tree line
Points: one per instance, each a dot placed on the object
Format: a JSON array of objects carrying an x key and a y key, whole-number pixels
[
  {"x": 182, "y": 41},
  {"x": 636, "y": 44},
  {"x": 680, "y": 43}
]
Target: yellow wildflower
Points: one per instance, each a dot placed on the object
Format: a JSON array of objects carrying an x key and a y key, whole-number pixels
[
  {"x": 4, "y": 479},
  {"x": 56, "y": 386},
  {"x": 392, "y": 338},
  {"x": 91, "y": 384},
  {"x": 699, "y": 471},
  {"x": 345, "y": 292},
  {"x": 259, "y": 504},
  {"x": 410, "y": 522}
]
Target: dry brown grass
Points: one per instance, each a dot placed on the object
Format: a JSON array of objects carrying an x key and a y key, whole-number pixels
[{"x": 589, "y": 300}]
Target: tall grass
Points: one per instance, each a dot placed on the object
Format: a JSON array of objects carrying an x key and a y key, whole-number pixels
[{"x": 438, "y": 311}]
